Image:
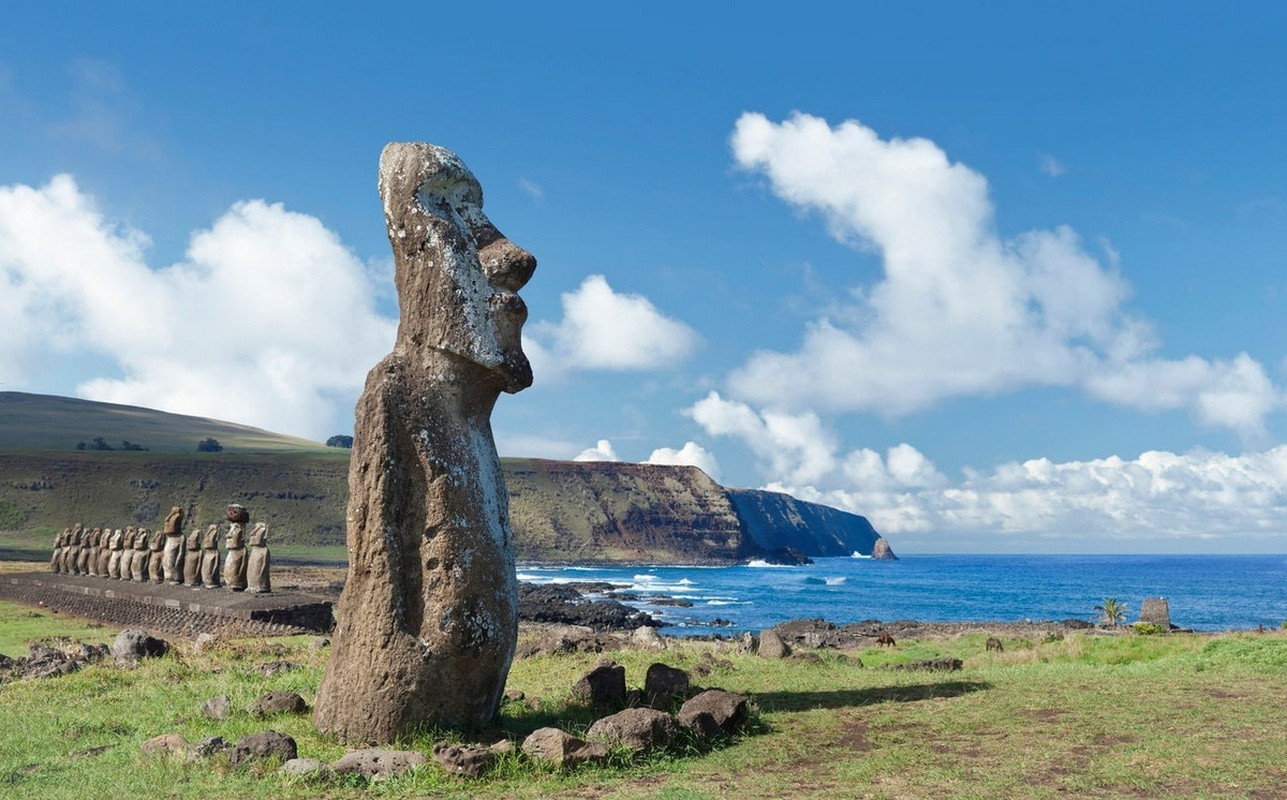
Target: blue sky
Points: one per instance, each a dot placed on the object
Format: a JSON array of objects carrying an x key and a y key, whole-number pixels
[{"x": 1002, "y": 278}]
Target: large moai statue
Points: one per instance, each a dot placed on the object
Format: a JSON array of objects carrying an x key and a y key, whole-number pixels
[
  {"x": 234, "y": 565},
  {"x": 210, "y": 558},
  {"x": 258, "y": 560},
  {"x": 427, "y": 621},
  {"x": 172, "y": 554},
  {"x": 192, "y": 559}
]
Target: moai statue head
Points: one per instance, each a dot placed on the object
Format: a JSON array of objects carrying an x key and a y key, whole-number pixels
[
  {"x": 174, "y": 522},
  {"x": 457, "y": 276}
]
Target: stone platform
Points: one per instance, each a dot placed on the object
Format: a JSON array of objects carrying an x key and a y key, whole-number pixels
[{"x": 176, "y": 609}]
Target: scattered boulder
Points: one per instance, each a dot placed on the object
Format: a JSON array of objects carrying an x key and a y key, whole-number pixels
[
  {"x": 217, "y": 707},
  {"x": 378, "y": 763},
  {"x": 812, "y": 633},
  {"x": 714, "y": 712},
  {"x": 647, "y": 639},
  {"x": 307, "y": 768},
  {"x": 664, "y": 684},
  {"x": 206, "y": 748},
  {"x": 772, "y": 646},
  {"x": 278, "y": 703},
  {"x": 464, "y": 760},
  {"x": 560, "y": 603},
  {"x": 275, "y": 667},
  {"x": 562, "y": 749},
  {"x": 605, "y": 685},
  {"x": 748, "y": 642},
  {"x": 568, "y": 639},
  {"x": 263, "y": 745},
  {"x": 204, "y": 642},
  {"x": 168, "y": 743},
  {"x": 132, "y": 645},
  {"x": 930, "y": 665},
  {"x": 52, "y": 658},
  {"x": 638, "y": 729}
]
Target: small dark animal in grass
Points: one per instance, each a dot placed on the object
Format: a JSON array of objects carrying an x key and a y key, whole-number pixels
[
  {"x": 995, "y": 644},
  {"x": 885, "y": 640}
]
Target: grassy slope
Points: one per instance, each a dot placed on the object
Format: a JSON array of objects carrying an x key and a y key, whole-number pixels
[
  {"x": 1105, "y": 717},
  {"x": 34, "y": 422}
]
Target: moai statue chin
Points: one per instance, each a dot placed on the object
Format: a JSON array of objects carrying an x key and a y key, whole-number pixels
[{"x": 427, "y": 622}]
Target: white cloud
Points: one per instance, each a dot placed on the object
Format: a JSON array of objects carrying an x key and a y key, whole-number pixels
[
  {"x": 960, "y": 311},
  {"x": 691, "y": 455},
  {"x": 600, "y": 452},
  {"x": 1077, "y": 505},
  {"x": 531, "y": 189},
  {"x": 1050, "y": 165},
  {"x": 796, "y": 447},
  {"x": 268, "y": 320},
  {"x": 602, "y": 329}
]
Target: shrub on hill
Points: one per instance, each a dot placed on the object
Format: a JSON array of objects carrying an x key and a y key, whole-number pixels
[
  {"x": 209, "y": 446},
  {"x": 340, "y": 440}
]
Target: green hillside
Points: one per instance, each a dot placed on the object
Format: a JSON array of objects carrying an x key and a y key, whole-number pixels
[{"x": 38, "y": 423}]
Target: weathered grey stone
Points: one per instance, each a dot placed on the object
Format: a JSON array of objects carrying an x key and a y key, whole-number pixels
[
  {"x": 646, "y": 637},
  {"x": 263, "y": 745},
  {"x": 217, "y": 707},
  {"x": 605, "y": 685},
  {"x": 1156, "y": 611},
  {"x": 206, "y": 748},
  {"x": 278, "y": 703},
  {"x": 638, "y": 729},
  {"x": 664, "y": 684},
  {"x": 562, "y": 749},
  {"x": 427, "y": 622},
  {"x": 307, "y": 768},
  {"x": 204, "y": 642},
  {"x": 772, "y": 646},
  {"x": 377, "y": 763},
  {"x": 464, "y": 760},
  {"x": 714, "y": 712},
  {"x": 131, "y": 645},
  {"x": 170, "y": 743}
]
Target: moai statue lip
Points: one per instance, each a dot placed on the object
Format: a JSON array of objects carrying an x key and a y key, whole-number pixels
[{"x": 428, "y": 620}]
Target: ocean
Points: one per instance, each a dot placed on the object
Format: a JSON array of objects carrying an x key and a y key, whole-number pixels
[{"x": 1207, "y": 593}]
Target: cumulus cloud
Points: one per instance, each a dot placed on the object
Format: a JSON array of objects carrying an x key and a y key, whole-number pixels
[
  {"x": 606, "y": 330},
  {"x": 1159, "y": 496},
  {"x": 267, "y": 321},
  {"x": 960, "y": 310},
  {"x": 600, "y": 452},
  {"x": 691, "y": 455}
]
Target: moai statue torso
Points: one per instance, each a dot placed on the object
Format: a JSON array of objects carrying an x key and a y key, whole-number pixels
[
  {"x": 138, "y": 564},
  {"x": 210, "y": 558},
  {"x": 258, "y": 560},
  {"x": 234, "y": 565},
  {"x": 172, "y": 553},
  {"x": 192, "y": 559},
  {"x": 427, "y": 622}
]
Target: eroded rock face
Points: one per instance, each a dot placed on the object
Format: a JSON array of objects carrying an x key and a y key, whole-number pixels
[{"x": 427, "y": 622}]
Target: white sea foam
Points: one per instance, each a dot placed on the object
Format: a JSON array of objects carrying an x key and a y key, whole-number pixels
[
  {"x": 856, "y": 554},
  {"x": 834, "y": 581},
  {"x": 728, "y": 602},
  {"x": 760, "y": 563}
]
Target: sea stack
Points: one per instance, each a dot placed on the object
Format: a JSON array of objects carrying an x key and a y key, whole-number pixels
[
  {"x": 427, "y": 623},
  {"x": 881, "y": 551}
]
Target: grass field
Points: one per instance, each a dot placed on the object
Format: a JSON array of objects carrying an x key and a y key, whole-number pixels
[{"x": 1180, "y": 716}]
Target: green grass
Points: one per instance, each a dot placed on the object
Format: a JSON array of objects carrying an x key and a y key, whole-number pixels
[{"x": 1179, "y": 716}]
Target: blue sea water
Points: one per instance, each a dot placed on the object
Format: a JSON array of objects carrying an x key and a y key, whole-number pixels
[{"x": 1207, "y": 593}]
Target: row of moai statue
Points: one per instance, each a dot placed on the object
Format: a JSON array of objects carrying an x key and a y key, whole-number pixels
[{"x": 167, "y": 556}]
